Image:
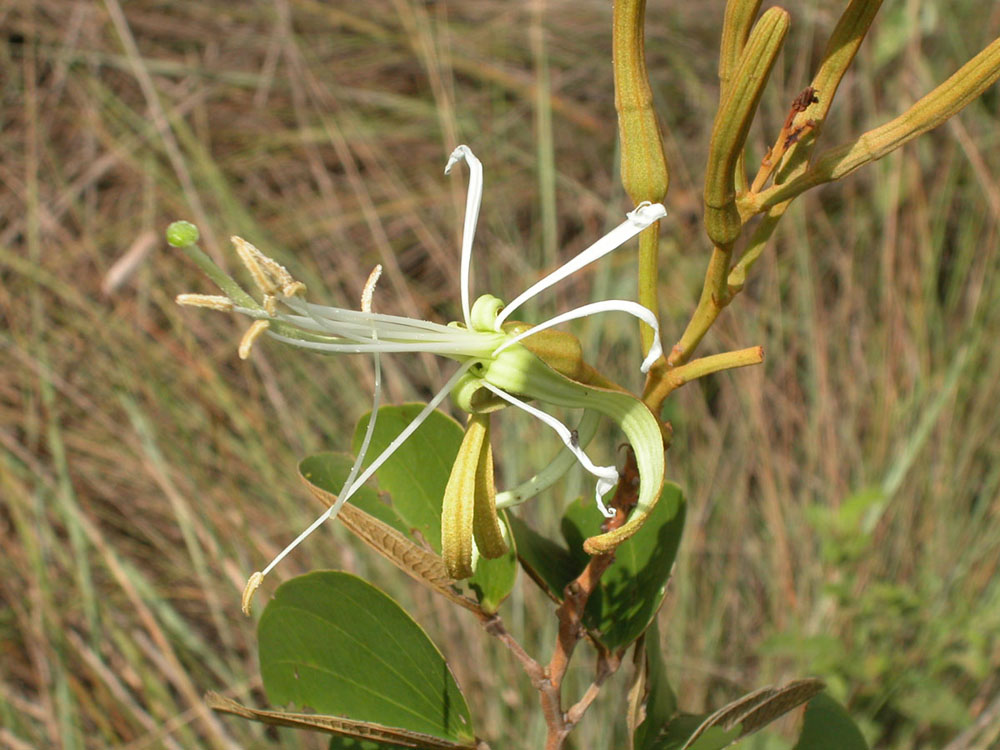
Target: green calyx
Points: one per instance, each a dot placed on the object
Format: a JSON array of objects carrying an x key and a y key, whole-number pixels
[
  {"x": 542, "y": 368},
  {"x": 519, "y": 372}
]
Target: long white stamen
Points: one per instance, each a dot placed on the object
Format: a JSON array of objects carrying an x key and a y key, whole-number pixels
[
  {"x": 382, "y": 458},
  {"x": 607, "y": 476},
  {"x": 444, "y": 349},
  {"x": 611, "y": 305},
  {"x": 473, "y": 201},
  {"x": 551, "y": 474},
  {"x": 369, "y": 431},
  {"x": 643, "y": 216},
  {"x": 388, "y": 331},
  {"x": 366, "y": 306}
]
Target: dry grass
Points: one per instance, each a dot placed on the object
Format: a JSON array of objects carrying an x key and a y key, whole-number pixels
[{"x": 144, "y": 471}]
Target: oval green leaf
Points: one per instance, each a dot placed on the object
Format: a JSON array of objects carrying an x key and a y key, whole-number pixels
[
  {"x": 417, "y": 473},
  {"x": 633, "y": 588},
  {"x": 494, "y": 579},
  {"x": 828, "y": 726},
  {"x": 334, "y": 643},
  {"x": 328, "y": 472}
]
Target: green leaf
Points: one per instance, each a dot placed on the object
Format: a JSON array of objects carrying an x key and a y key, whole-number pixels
[
  {"x": 350, "y": 743},
  {"x": 676, "y": 734},
  {"x": 828, "y": 726},
  {"x": 494, "y": 579},
  {"x": 661, "y": 703},
  {"x": 633, "y": 588},
  {"x": 367, "y": 732},
  {"x": 548, "y": 563},
  {"x": 328, "y": 472},
  {"x": 738, "y": 719},
  {"x": 332, "y": 642},
  {"x": 417, "y": 473}
]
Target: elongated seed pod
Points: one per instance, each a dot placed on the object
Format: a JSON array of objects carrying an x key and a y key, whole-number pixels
[{"x": 732, "y": 123}]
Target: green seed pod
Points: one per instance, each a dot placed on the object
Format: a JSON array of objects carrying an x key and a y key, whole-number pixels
[
  {"x": 644, "y": 165},
  {"x": 732, "y": 123},
  {"x": 736, "y": 25}
]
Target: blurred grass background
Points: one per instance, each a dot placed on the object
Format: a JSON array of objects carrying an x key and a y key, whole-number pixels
[{"x": 845, "y": 514}]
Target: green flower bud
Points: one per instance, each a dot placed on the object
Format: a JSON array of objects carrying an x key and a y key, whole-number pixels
[{"x": 182, "y": 234}]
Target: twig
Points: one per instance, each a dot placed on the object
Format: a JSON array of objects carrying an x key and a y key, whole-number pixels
[
  {"x": 570, "y": 616},
  {"x": 790, "y": 135},
  {"x": 548, "y": 693},
  {"x": 658, "y": 390},
  {"x": 607, "y": 665}
]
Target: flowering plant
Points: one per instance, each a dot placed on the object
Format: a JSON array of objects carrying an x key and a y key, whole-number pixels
[{"x": 369, "y": 666}]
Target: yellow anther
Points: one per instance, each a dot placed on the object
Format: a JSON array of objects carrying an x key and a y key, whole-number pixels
[
  {"x": 249, "y": 590},
  {"x": 213, "y": 301},
  {"x": 252, "y": 259},
  {"x": 270, "y": 276},
  {"x": 294, "y": 288},
  {"x": 252, "y": 334},
  {"x": 369, "y": 290}
]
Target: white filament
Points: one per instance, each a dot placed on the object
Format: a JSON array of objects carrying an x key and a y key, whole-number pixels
[
  {"x": 643, "y": 216},
  {"x": 382, "y": 458},
  {"x": 607, "y": 476},
  {"x": 473, "y": 200},
  {"x": 611, "y": 305}
]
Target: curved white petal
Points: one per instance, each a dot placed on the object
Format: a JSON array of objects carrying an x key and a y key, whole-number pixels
[
  {"x": 607, "y": 476},
  {"x": 381, "y": 459},
  {"x": 612, "y": 305},
  {"x": 643, "y": 216},
  {"x": 472, "y": 203}
]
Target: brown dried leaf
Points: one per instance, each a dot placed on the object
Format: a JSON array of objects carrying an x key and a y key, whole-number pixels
[{"x": 333, "y": 725}]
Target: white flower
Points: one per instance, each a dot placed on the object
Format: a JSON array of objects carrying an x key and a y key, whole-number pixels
[{"x": 490, "y": 350}]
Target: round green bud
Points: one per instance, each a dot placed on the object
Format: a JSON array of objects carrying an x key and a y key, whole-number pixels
[{"x": 182, "y": 234}]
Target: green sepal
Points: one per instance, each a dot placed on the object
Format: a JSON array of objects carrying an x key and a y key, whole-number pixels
[
  {"x": 732, "y": 124},
  {"x": 519, "y": 372}
]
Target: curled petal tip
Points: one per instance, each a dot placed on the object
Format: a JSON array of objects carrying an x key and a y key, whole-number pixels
[
  {"x": 655, "y": 352},
  {"x": 646, "y": 213},
  {"x": 461, "y": 153},
  {"x": 456, "y": 156},
  {"x": 603, "y": 486}
]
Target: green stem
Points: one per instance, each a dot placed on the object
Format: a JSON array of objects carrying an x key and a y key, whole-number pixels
[
  {"x": 644, "y": 164},
  {"x": 649, "y": 243},
  {"x": 699, "y": 368},
  {"x": 714, "y": 297},
  {"x": 222, "y": 280}
]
